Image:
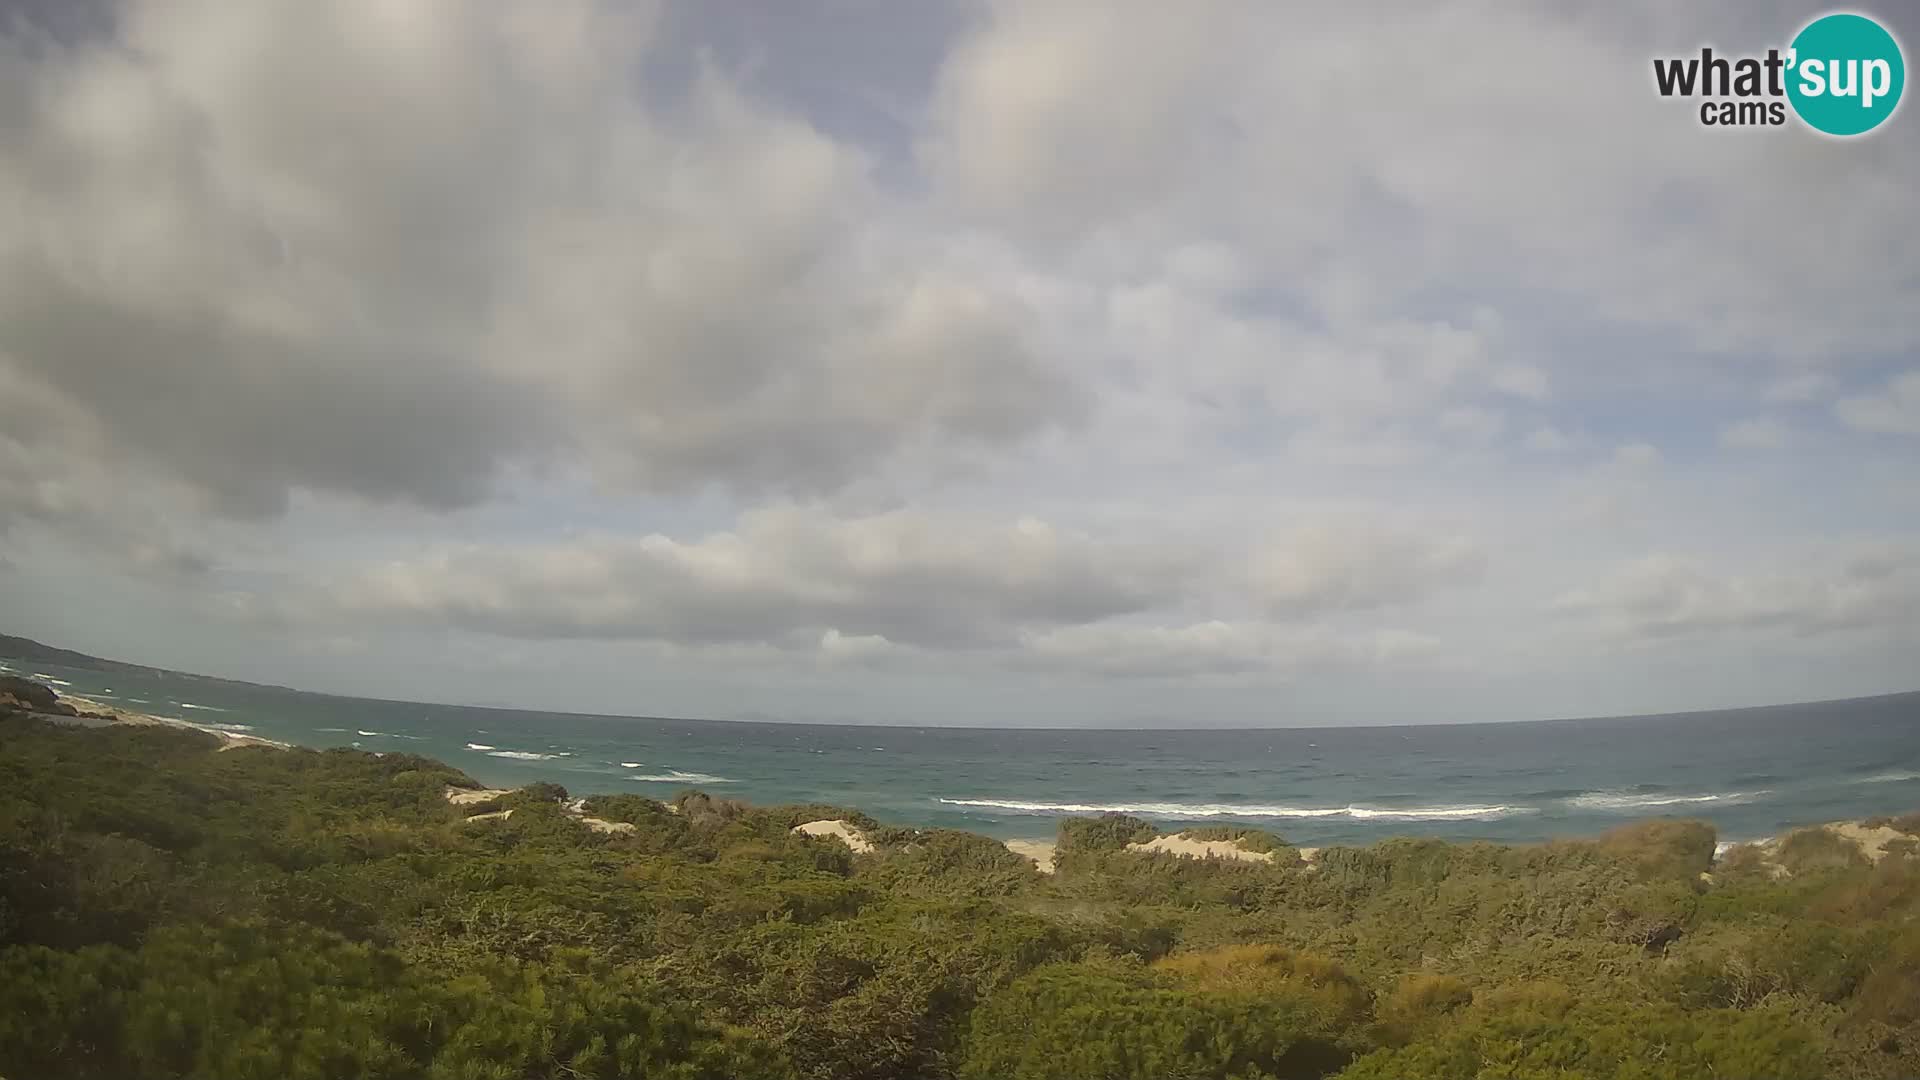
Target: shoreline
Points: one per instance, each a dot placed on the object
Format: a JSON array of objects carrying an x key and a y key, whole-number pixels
[
  {"x": 114, "y": 714},
  {"x": 1039, "y": 848}
]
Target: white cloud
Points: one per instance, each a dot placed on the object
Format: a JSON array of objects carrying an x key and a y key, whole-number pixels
[
  {"x": 255, "y": 245},
  {"x": 1216, "y": 648},
  {"x": 786, "y": 576},
  {"x": 662, "y": 332},
  {"x": 1548, "y": 439},
  {"x": 1352, "y": 565},
  {"x": 1756, "y": 433},
  {"x": 1668, "y": 596},
  {"x": 1806, "y": 386},
  {"x": 1637, "y": 455},
  {"x": 1894, "y": 410}
]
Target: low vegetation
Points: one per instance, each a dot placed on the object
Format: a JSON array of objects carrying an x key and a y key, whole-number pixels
[{"x": 170, "y": 911}]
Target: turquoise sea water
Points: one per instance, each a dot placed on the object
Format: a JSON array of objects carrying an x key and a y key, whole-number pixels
[{"x": 1752, "y": 772}]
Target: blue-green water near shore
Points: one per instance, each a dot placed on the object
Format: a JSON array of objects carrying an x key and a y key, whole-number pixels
[{"x": 1752, "y": 772}]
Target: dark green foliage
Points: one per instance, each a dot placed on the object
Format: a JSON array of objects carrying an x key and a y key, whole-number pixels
[
  {"x": 1604, "y": 1043},
  {"x": 1080, "y": 841},
  {"x": 1255, "y": 840},
  {"x": 1107, "y": 832},
  {"x": 252, "y": 1002},
  {"x": 1071, "y": 1022},
  {"x": 169, "y": 910},
  {"x": 540, "y": 791}
]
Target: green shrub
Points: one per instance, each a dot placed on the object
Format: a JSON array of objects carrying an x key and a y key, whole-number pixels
[
  {"x": 1108, "y": 832},
  {"x": 1076, "y": 1022},
  {"x": 1256, "y": 840},
  {"x": 1807, "y": 851},
  {"x": 1604, "y": 1043},
  {"x": 1419, "y": 1002},
  {"x": 1663, "y": 848}
]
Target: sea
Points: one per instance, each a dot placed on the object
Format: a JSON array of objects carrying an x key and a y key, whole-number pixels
[{"x": 1753, "y": 773}]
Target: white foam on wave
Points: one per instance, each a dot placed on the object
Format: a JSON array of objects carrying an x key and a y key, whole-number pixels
[
  {"x": 480, "y": 746},
  {"x": 1888, "y": 778},
  {"x": 631, "y": 764},
  {"x": 675, "y": 776},
  {"x": 226, "y": 727},
  {"x": 1254, "y": 810},
  {"x": 51, "y": 679},
  {"x": 335, "y": 730},
  {"x": 368, "y": 733},
  {"x": 191, "y": 705},
  {"x": 1624, "y": 800},
  {"x": 521, "y": 755}
]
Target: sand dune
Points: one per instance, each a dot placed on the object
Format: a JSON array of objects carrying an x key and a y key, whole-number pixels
[
  {"x": 1183, "y": 845},
  {"x": 1040, "y": 851},
  {"x": 848, "y": 835}
]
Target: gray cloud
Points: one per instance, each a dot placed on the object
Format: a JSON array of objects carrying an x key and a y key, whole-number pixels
[
  {"x": 865, "y": 588},
  {"x": 1360, "y": 564},
  {"x": 1894, "y": 409},
  {"x": 1663, "y": 597},
  {"x": 785, "y": 576},
  {"x": 276, "y": 247},
  {"x": 1216, "y": 648},
  {"x": 1280, "y": 318}
]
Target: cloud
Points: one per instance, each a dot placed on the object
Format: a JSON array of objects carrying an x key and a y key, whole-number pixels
[
  {"x": 1548, "y": 439},
  {"x": 1215, "y": 648},
  {"x": 1666, "y": 596},
  {"x": 1894, "y": 410},
  {"x": 1045, "y": 338},
  {"x": 791, "y": 575},
  {"x": 1356, "y": 565},
  {"x": 908, "y": 584},
  {"x": 1755, "y": 433},
  {"x": 1806, "y": 386},
  {"x": 1082, "y": 131},
  {"x": 387, "y": 251}
]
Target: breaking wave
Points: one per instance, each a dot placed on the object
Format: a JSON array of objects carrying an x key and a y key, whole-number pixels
[
  {"x": 1255, "y": 810},
  {"x": 675, "y": 776},
  {"x": 480, "y": 746},
  {"x": 1623, "y": 800},
  {"x": 521, "y": 755},
  {"x": 1888, "y": 778}
]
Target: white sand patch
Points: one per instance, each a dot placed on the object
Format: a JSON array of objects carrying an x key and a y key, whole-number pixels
[
  {"x": 465, "y": 796},
  {"x": 1040, "y": 851},
  {"x": 848, "y": 835},
  {"x": 229, "y": 740},
  {"x": 1871, "y": 842},
  {"x": 1183, "y": 845},
  {"x": 497, "y": 815},
  {"x": 605, "y": 826}
]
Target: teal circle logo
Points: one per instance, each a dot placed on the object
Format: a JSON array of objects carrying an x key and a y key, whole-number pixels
[{"x": 1844, "y": 74}]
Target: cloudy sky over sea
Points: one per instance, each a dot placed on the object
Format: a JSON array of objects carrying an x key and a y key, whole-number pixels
[{"x": 953, "y": 362}]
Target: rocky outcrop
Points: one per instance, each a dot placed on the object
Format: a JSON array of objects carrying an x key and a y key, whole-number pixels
[
  {"x": 26, "y": 695},
  {"x": 29, "y": 696}
]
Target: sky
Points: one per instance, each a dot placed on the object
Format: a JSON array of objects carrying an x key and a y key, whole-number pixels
[{"x": 954, "y": 362}]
